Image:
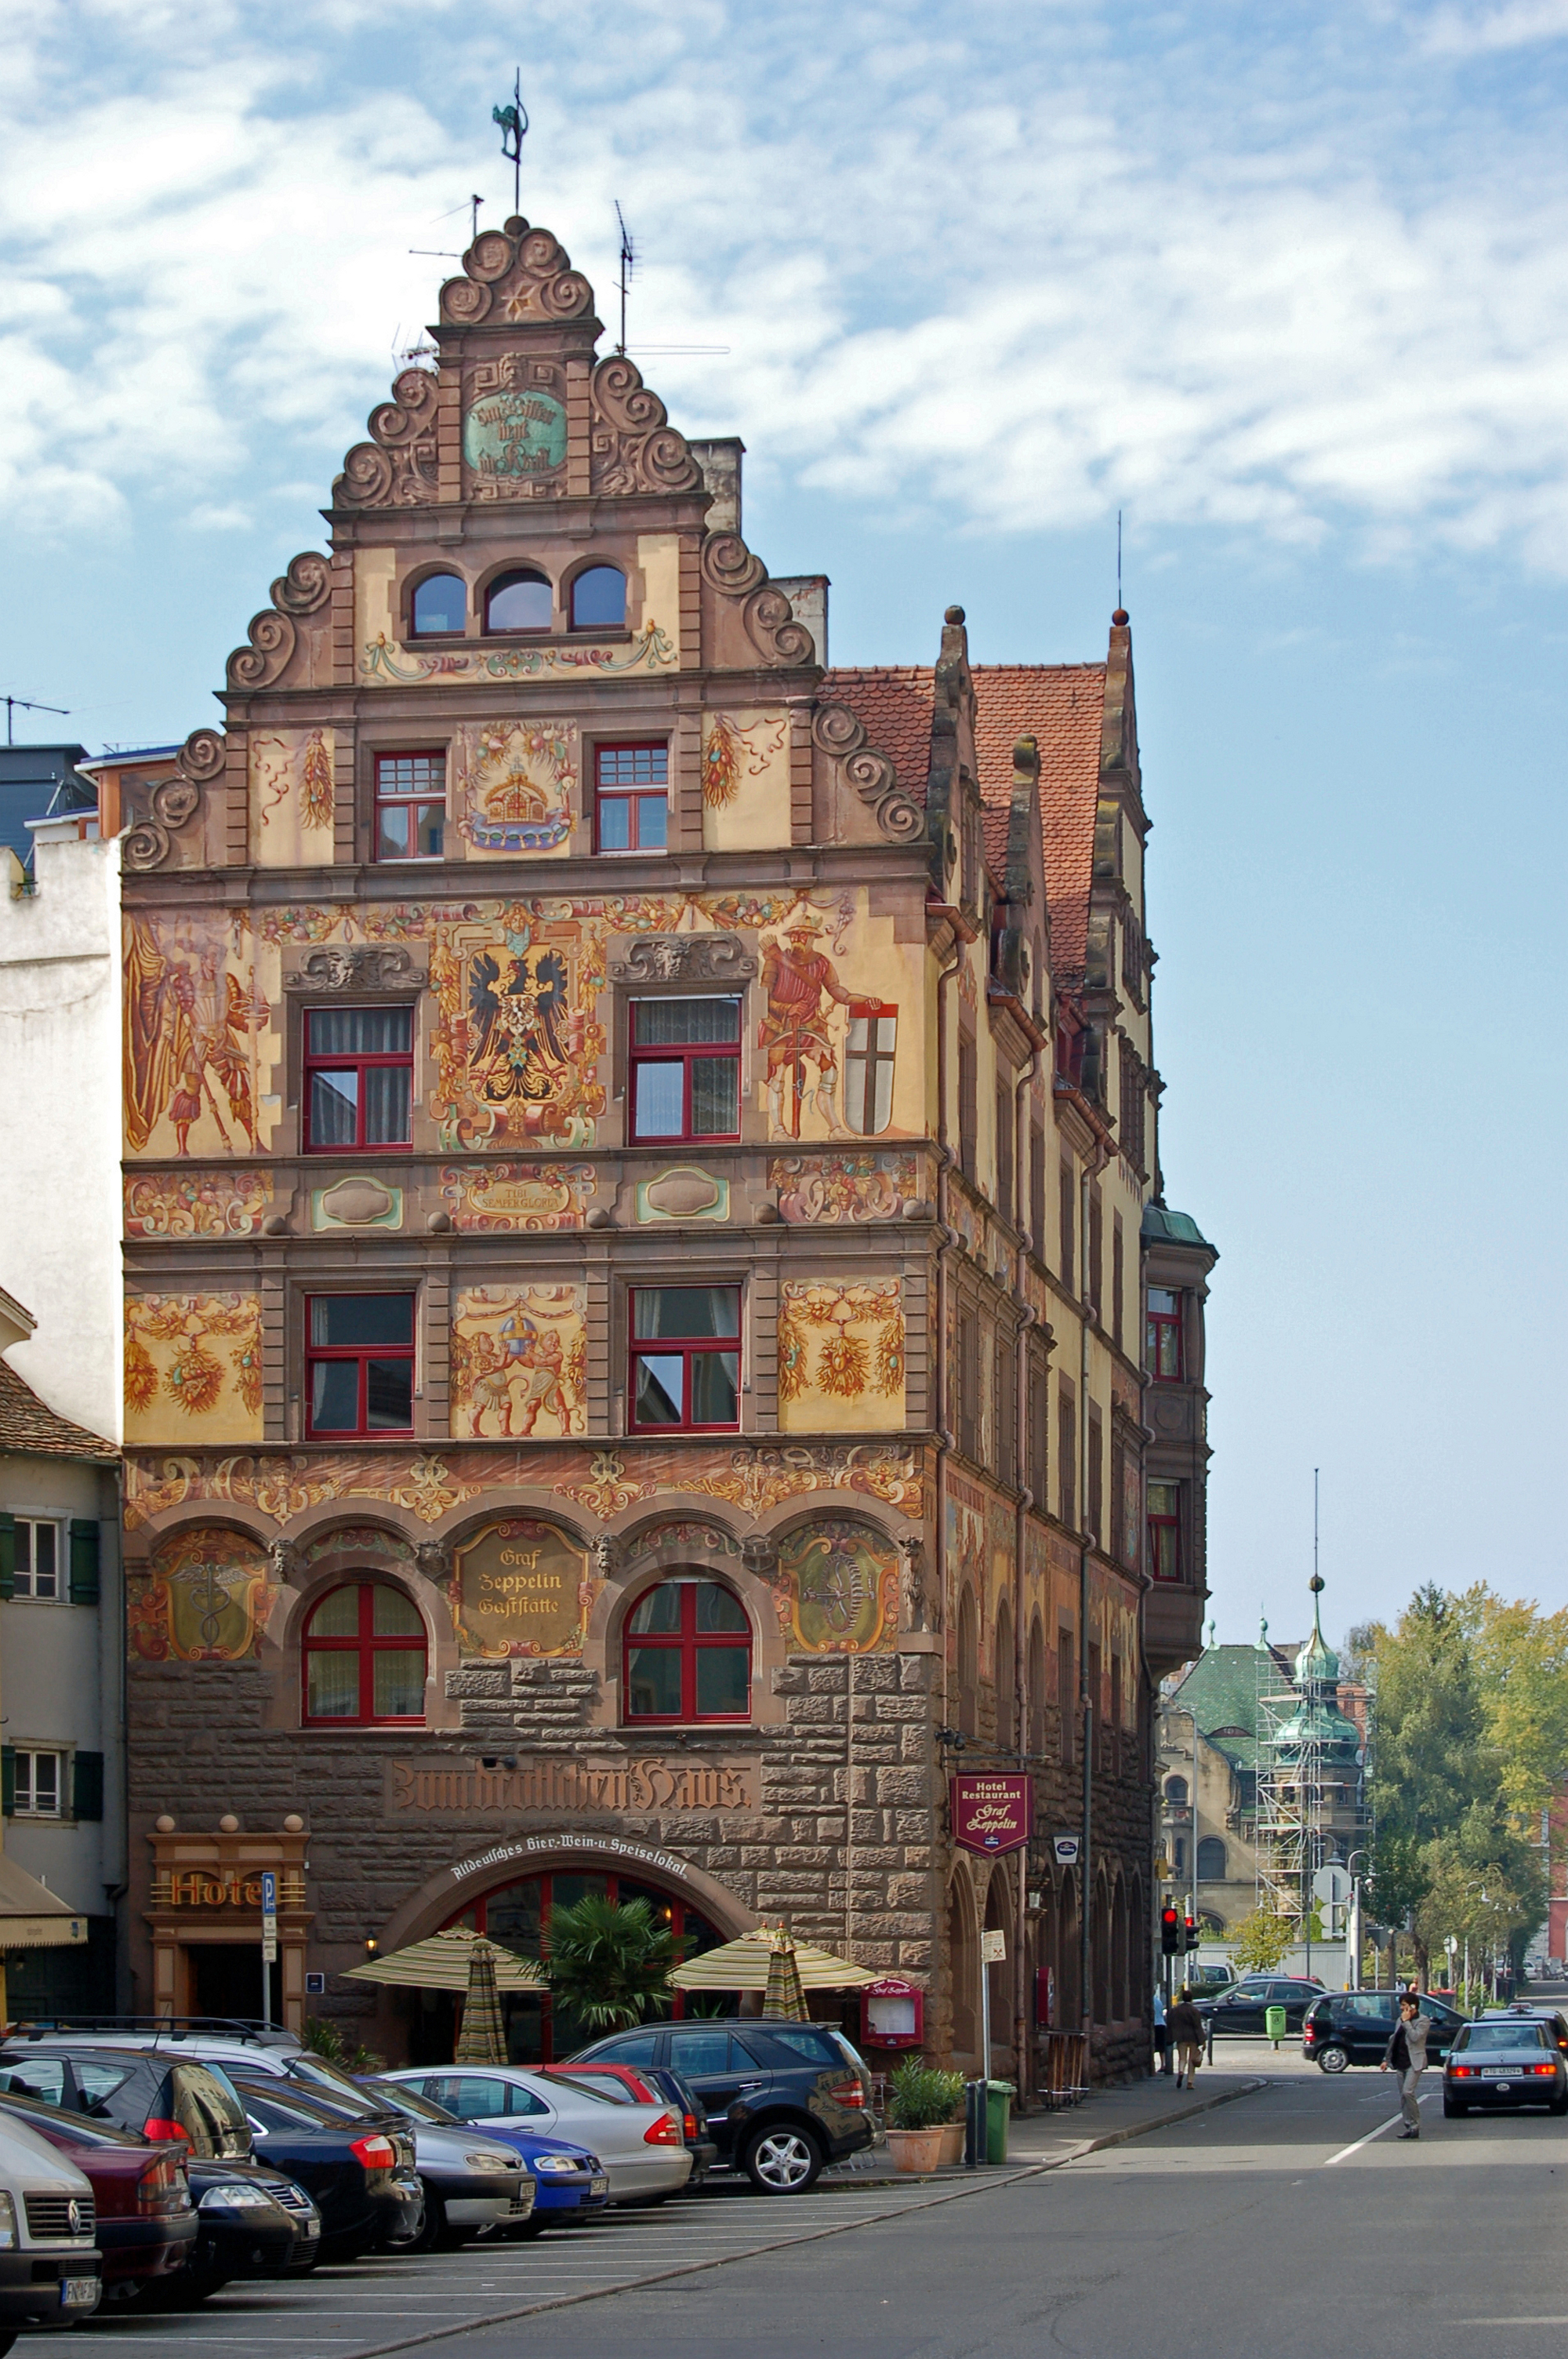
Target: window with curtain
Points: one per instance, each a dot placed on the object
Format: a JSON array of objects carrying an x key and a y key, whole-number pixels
[
  {"x": 362, "y": 1658},
  {"x": 358, "y": 1067},
  {"x": 688, "y": 1654},
  {"x": 686, "y": 1358}
]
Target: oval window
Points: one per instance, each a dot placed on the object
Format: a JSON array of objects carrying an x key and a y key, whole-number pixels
[
  {"x": 439, "y": 606},
  {"x": 519, "y": 602},
  {"x": 599, "y": 599}
]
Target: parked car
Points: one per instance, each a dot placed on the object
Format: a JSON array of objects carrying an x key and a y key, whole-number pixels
[
  {"x": 470, "y": 2185},
  {"x": 782, "y": 2099},
  {"x": 1506, "y": 2060},
  {"x": 50, "y": 2273},
  {"x": 1241, "y": 2013},
  {"x": 1208, "y": 1981},
  {"x": 569, "y": 2181},
  {"x": 242, "y": 2208},
  {"x": 147, "y": 2220},
  {"x": 1345, "y": 2028},
  {"x": 642, "y": 2148},
  {"x": 651, "y": 2085},
  {"x": 195, "y": 2039},
  {"x": 361, "y": 2177}
]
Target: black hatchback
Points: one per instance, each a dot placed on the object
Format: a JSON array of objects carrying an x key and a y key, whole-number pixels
[
  {"x": 782, "y": 2099},
  {"x": 1242, "y": 2011},
  {"x": 1349, "y": 2027},
  {"x": 361, "y": 2179}
]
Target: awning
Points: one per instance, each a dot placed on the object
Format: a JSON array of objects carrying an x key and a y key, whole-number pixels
[
  {"x": 31, "y": 1916},
  {"x": 441, "y": 1962},
  {"x": 743, "y": 1966}
]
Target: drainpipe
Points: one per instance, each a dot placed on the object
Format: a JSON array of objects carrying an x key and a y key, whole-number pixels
[
  {"x": 1021, "y": 2046},
  {"x": 948, "y": 1238},
  {"x": 1091, "y": 1170}
]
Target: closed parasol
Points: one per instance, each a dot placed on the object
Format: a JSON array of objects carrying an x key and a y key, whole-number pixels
[
  {"x": 786, "y": 1997},
  {"x": 482, "y": 2039}
]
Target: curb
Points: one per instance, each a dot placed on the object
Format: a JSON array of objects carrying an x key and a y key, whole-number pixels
[{"x": 979, "y": 2183}]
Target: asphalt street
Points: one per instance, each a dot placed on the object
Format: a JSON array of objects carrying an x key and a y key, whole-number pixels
[{"x": 1290, "y": 2221}]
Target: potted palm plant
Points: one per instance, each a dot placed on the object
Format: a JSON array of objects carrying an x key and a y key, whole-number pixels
[{"x": 921, "y": 2102}]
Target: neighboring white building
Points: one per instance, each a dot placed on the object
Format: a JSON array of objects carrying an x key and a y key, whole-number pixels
[{"x": 60, "y": 1115}]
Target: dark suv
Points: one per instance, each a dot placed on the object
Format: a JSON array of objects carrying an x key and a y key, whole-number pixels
[
  {"x": 1354, "y": 2027},
  {"x": 1244, "y": 2011},
  {"x": 782, "y": 2099}
]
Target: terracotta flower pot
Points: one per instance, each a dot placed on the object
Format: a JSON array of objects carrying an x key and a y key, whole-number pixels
[
  {"x": 915, "y": 2149},
  {"x": 952, "y": 2143}
]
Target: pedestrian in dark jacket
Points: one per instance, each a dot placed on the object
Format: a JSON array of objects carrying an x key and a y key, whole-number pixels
[
  {"x": 1184, "y": 2032},
  {"x": 1406, "y": 2055}
]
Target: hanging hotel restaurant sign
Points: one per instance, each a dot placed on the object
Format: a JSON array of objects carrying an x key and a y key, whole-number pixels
[
  {"x": 520, "y": 1591},
  {"x": 992, "y": 1815}
]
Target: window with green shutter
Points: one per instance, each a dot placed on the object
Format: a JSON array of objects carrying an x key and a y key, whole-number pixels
[
  {"x": 7, "y": 1560},
  {"x": 8, "y": 1779},
  {"x": 87, "y": 1786},
  {"x": 84, "y": 1563}
]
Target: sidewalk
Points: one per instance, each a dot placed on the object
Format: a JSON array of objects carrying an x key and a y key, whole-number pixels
[{"x": 1042, "y": 2141}]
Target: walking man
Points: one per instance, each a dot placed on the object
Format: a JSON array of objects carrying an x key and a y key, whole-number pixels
[
  {"x": 1184, "y": 2031},
  {"x": 1406, "y": 2051}
]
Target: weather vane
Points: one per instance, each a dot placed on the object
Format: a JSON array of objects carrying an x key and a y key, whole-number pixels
[{"x": 514, "y": 122}]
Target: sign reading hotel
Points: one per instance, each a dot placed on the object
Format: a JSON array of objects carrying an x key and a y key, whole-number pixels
[
  {"x": 992, "y": 1815},
  {"x": 520, "y": 1591},
  {"x": 424, "y": 1789}
]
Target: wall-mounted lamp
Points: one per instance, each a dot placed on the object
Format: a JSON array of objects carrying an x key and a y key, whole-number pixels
[{"x": 372, "y": 1947}]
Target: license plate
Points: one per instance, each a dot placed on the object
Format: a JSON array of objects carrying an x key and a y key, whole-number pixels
[
  {"x": 1499, "y": 2072},
  {"x": 78, "y": 2293},
  {"x": 599, "y": 2185}
]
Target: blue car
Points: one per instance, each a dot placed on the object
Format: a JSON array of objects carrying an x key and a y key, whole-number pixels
[{"x": 569, "y": 2182}]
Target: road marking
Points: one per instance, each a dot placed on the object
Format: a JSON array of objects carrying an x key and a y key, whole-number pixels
[
  {"x": 1360, "y": 2142},
  {"x": 1510, "y": 2321}
]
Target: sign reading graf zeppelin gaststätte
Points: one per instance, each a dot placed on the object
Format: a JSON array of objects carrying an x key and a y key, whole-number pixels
[
  {"x": 520, "y": 1591},
  {"x": 992, "y": 1814}
]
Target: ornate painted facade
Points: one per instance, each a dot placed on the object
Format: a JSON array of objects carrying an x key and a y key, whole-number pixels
[{"x": 476, "y": 1350}]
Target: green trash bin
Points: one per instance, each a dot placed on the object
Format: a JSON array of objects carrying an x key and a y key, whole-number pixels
[
  {"x": 999, "y": 2106},
  {"x": 1274, "y": 2023}
]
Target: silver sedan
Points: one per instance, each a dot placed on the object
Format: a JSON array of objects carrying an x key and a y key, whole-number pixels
[{"x": 643, "y": 2147}]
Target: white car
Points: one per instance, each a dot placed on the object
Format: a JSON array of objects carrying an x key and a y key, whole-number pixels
[
  {"x": 48, "y": 2256},
  {"x": 643, "y": 2147}
]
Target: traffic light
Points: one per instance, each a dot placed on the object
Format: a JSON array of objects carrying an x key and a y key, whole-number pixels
[
  {"x": 1170, "y": 1931},
  {"x": 1191, "y": 1931}
]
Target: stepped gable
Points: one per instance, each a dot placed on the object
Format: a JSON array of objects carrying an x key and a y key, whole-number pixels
[{"x": 30, "y": 1426}]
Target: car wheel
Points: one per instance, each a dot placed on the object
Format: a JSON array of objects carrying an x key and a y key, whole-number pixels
[
  {"x": 1332, "y": 2059},
  {"x": 782, "y": 2162},
  {"x": 1559, "y": 2104},
  {"x": 432, "y": 2229}
]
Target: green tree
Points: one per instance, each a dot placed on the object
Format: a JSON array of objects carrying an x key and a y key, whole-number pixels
[
  {"x": 1263, "y": 1940},
  {"x": 1522, "y": 1669},
  {"x": 608, "y": 1961}
]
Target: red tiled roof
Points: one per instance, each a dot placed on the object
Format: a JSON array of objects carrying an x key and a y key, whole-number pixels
[
  {"x": 29, "y": 1428},
  {"x": 1063, "y": 705}
]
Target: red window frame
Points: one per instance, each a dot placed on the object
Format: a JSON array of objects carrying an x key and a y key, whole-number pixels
[
  {"x": 367, "y": 1644},
  {"x": 426, "y": 789},
  {"x": 1165, "y": 1535},
  {"x": 685, "y": 1053},
  {"x": 363, "y": 1353},
  {"x": 632, "y": 792},
  {"x": 356, "y": 1062},
  {"x": 688, "y": 1641},
  {"x": 667, "y": 1346},
  {"x": 1162, "y": 1340}
]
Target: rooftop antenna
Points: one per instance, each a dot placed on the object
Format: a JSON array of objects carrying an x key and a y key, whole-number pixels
[
  {"x": 628, "y": 265},
  {"x": 25, "y": 704},
  {"x": 474, "y": 204},
  {"x": 514, "y": 122},
  {"x": 1118, "y": 597}
]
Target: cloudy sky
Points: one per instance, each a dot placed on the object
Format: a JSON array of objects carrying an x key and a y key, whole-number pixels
[{"x": 1286, "y": 286}]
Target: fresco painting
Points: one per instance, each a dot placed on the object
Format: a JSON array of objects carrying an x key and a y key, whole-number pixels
[
  {"x": 197, "y": 1203},
  {"x": 197, "y": 1042},
  {"x": 483, "y": 1197},
  {"x": 514, "y": 786},
  {"x": 840, "y": 1586},
  {"x": 523, "y": 1588},
  {"x": 194, "y": 1370},
  {"x": 517, "y": 1039},
  {"x": 745, "y": 780},
  {"x": 292, "y": 797},
  {"x": 840, "y": 1356},
  {"x": 519, "y": 1360},
  {"x": 204, "y": 1599},
  {"x": 829, "y": 1065},
  {"x": 844, "y": 1187}
]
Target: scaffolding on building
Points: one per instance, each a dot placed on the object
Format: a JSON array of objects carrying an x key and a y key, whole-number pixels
[{"x": 1312, "y": 1772}]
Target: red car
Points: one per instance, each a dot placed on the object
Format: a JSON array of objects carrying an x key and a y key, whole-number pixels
[{"x": 147, "y": 2222}]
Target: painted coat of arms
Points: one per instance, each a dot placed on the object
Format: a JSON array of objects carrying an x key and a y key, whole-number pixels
[{"x": 514, "y": 785}]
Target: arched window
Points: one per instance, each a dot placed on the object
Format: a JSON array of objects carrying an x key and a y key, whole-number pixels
[
  {"x": 1006, "y": 1680},
  {"x": 1036, "y": 1686},
  {"x": 439, "y": 606},
  {"x": 688, "y": 1654},
  {"x": 599, "y": 599},
  {"x": 969, "y": 1665},
  {"x": 364, "y": 1657},
  {"x": 1176, "y": 1792},
  {"x": 523, "y": 601},
  {"x": 1211, "y": 1860}
]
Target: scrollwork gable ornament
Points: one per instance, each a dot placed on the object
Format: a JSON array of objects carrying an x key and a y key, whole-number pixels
[
  {"x": 685, "y": 958},
  {"x": 397, "y": 468},
  {"x": 841, "y": 734},
  {"x": 736, "y": 571},
  {"x": 515, "y": 274},
  {"x": 303, "y": 589},
  {"x": 632, "y": 445},
  {"x": 174, "y": 802}
]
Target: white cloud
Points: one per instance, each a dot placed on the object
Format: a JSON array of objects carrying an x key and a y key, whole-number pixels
[
  {"x": 1471, "y": 32},
  {"x": 1026, "y": 271}
]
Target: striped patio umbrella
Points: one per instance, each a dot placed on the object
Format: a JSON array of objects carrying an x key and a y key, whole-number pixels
[
  {"x": 441, "y": 1962},
  {"x": 482, "y": 2039},
  {"x": 744, "y": 1965},
  {"x": 785, "y": 1998}
]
